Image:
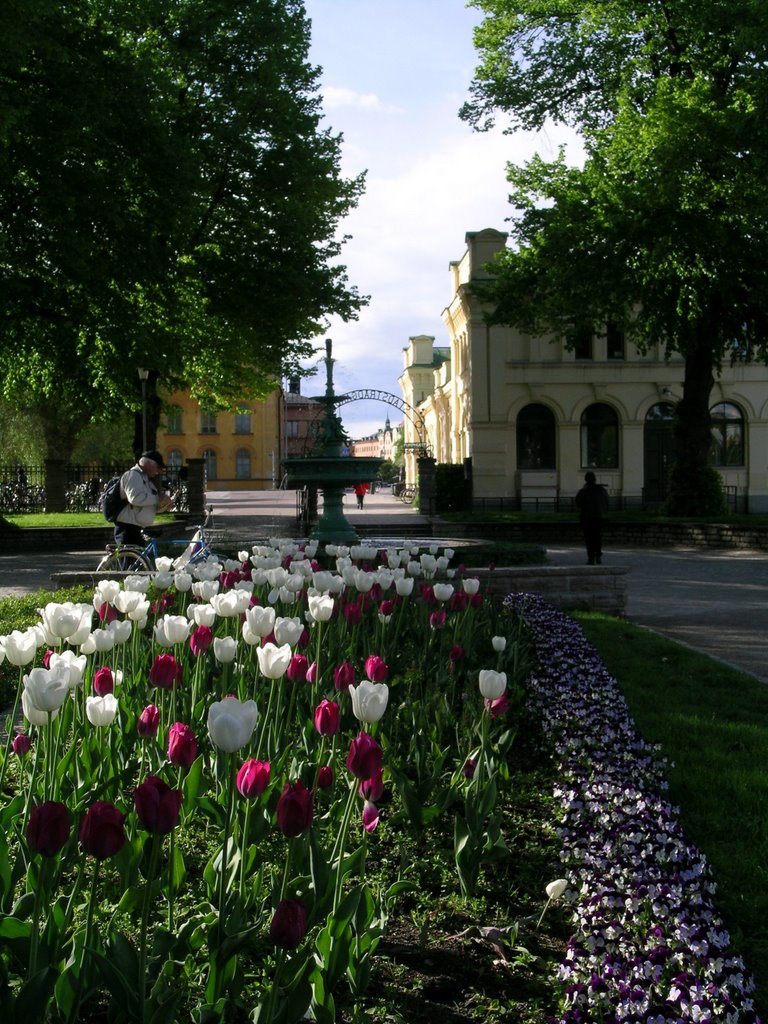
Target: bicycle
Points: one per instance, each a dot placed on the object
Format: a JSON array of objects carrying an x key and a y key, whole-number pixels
[{"x": 132, "y": 558}]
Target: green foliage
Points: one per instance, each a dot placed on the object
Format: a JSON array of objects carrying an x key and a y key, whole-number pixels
[
  {"x": 662, "y": 230},
  {"x": 165, "y": 182}
]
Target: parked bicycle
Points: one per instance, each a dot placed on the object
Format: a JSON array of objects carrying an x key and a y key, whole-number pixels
[{"x": 132, "y": 558}]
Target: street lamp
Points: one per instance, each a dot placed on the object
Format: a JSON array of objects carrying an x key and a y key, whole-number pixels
[{"x": 143, "y": 377}]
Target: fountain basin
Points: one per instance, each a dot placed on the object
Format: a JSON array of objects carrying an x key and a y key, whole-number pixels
[{"x": 331, "y": 474}]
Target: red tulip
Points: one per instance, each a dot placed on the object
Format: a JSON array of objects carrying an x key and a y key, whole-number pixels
[
  {"x": 297, "y": 669},
  {"x": 373, "y": 788},
  {"x": 103, "y": 681},
  {"x": 470, "y": 765},
  {"x": 437, "y": 620},
  {"x": 21, "y": 744},
  {"x": 456, "y": 653},
  {"x": 344, "y": 676},
  {"x": 200, "y": 640},
  {"x": 294, "y": 809},
  {"x": 325, "y": 777},
  {"x": 148, "y": 721},
  {"x": 376, "y": 669},
  {"x": 289, "y": 924},
  {"x": 459, "y": 601},
  {"x": 353, "y": 613},
  {"x": 370, "y": 816},
  {"x": 327, "y": 717},
  {"x": 364, "y": 757},
  {"x": 182, "y": 745},
  {"x": 165, "y": 672},
  {"x": 107, "y": 612},
  {"x": 253, "y": 778},
  {"x": 497, "y": 707},
  {"x": 387, "y": 607},
  {"x": 157, "y": 805},
  {"x": 48, "y": 828},
  {"x": 102, "y": 833}
]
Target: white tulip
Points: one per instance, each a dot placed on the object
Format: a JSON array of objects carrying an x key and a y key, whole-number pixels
[
  {"x": 47, "y": 688},
  {"x": 163, "y": 563},
  {"x": 162, "y": 580},
  {"x": 176, "y": 627},
  {"x": 20, "y": 646},
  {"x": 34, "y": 715},
  {"x": 101, "y": 711},
  {"x": 103, "y": 640},
  {"x": 320, "y": 606},
  {"x": 557, "y": 888},
  {"x": 205, "y": 589},
  {"x": 231, "y": 723},
  {"x": 74, "y": 662},
  {"x": 121, "y": 631},
  {"x": 443, "y": 592},
  {"x": 471, "y": 586},
  {"x": 499, "y": 643},
  {"x": 224, "y": 649},
  {"x": 492, "y": 684},
  {"x": 288, "y": 631},
  {"x": 274, "y": 661},
  {"x": 404, "y": 586},
  {"x": 137, "y": 583},
  {"x": 127, "y": 601},
  {"x": 182, "y": 581},
  {"x": 140, "y": 612},
  {"x": 60, "y": 620},
  {"x": 202, "y": 614},
  {"x": 369, "y": 700},
  {"x": 260, "y": 620}
]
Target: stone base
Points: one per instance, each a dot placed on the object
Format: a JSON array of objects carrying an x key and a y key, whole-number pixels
[{"x": 600, "y": 588}]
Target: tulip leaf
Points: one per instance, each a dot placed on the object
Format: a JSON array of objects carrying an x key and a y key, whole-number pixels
[
  {"x": 34, "y": 995},
  {"x": 5, "y": 869},
  {"x": 193, "y": 785},
  {"x": 111, "y": 969},
  {"x": 13, "y": 928}
]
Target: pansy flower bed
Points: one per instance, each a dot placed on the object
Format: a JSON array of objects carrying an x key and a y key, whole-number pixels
[
  {"x": 207, "y": 763},
  {"x": 648, "y": 947}
]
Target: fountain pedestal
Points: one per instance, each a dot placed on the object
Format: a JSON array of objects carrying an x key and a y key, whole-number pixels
[{"x": 330, "y": 471}]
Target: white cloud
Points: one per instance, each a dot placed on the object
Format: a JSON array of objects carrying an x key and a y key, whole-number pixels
[{"x": 336, "y": 98}]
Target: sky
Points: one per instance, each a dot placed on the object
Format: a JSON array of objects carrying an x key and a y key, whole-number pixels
[{"x": 394, "y": 75}]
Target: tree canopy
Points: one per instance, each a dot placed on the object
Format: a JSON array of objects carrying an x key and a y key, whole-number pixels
[
  {"x": 169, "y": 199},
  {"x": 663, "y": 228}
]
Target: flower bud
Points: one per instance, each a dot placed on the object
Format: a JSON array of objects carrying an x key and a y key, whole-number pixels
[
  {"x": 157, "y": 805},
  {"x": 182, "y": 745},
  {"x": 253, "y": 778},
  {"x": 102, "y": 833},
  {"x": 294, "y": 809},
  {"x": 48, "y": 828},
  {"x": 148, "y": 722},
  {"x": 327, "y": 718},
  {"x": 364, "y": 757},
  {"x": 289, "y": 924}
]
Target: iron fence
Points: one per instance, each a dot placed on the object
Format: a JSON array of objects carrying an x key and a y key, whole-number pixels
[{"x": 23, "y": 486}]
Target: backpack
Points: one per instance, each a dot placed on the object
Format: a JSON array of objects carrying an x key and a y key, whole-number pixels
[{"x": 111, "y": 501}]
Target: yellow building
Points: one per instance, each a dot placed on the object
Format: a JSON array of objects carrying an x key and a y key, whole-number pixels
[{"x": 241, "y": 449}]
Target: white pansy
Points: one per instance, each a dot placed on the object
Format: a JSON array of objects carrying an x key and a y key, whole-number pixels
[
  {"x": 224, "y": 649},
  {"x": 101, "y": 711},
  {"x": 492, "y": 684},
  {"x": 369, "y": 700},
  {"x": 231, "y": 723}
]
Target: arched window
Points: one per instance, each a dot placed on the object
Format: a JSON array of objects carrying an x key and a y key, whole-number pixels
[
  {"x": 243, "y": 464},
  {"x": 599, "y": 437},
  {"x": 209, "y": 455},
  {"x": 727, "y": 435},
  {"x": 173, "y": 460},
  {"x": 535, "y": 437},
  {"x": 173, "y": 423},
  {"x": 243, "y": 420}
]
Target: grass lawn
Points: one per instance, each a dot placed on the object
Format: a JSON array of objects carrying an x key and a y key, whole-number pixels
[{"x": 711, "y": 722}]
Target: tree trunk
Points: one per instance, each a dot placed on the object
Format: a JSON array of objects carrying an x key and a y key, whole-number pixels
[{"x": 695, "y": 486}]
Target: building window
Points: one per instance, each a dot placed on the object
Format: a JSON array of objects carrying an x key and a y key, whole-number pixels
[
  {"x": 727, "y": 425},
  {"x": 292, "y": 429},
  {"x": 535, "y": 437},
  {"x": 209, "y": 456},
  {"x": 243, "y": 464},
  {"x": 580, "y": 341},
  {"x": 614, "y": 337},
  {"x": 173, "y": 460},
  {"x": 208, "y": 423},
  {"x": 173, "y": 420},
  {"x": 243, "y": 420},
  {"x": 599, "y": 437}
]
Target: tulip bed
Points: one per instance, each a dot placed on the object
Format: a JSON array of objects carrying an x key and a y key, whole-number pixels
[{"x": 202, "y": 812}]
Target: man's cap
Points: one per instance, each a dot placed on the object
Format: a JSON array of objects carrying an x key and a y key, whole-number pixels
[{"x": 155, "y": 457}]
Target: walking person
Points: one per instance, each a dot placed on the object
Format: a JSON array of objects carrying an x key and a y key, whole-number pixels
[
  {"x": 143, "y": 499},
  {"x": 592, "y": 503},
  {"x": 360, "y": 492}
]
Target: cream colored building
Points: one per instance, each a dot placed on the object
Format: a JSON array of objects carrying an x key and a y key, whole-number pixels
[{"x": 528, "y": 416}]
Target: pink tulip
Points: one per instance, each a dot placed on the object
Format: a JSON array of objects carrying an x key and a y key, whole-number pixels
[
  {"x": 312, "y": 673},
  {"x": 372, "y": 788},
  {"x": 182, "y": 745},
  {"x": 253, "y": 778},
  {"x": 325, "y": 777},
  {"x": 148, "y": 721},
  {"x": 437, "y": 620},
  {"x": 497, "y": 707},
  {"x": 200, "y": 640},
  {"x": 370, "y": 816},
  {"x": 165, "y": 672},
  {"x": 364, "y": 757},
  {"x": 294, "y": 809},
  {"x": 21, "y": 744},
  {"x": 376, "y": 669},
  {"x": 297, "y": 668},
  {"x": 327, "y": 718},
  {"x": 103, "y": 681},
  {"x": 344, "y": 676}
]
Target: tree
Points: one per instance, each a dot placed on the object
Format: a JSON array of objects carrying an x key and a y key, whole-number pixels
[
  {"x": 663, "y": 229},
  {"x": 168, "y": 199}
]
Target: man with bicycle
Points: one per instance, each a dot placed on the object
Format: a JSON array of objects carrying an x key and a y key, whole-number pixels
[{"x": 143, "y": 500}]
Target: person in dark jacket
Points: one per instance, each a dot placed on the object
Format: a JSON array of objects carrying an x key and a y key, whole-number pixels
[{"x": 592, "y": 503}]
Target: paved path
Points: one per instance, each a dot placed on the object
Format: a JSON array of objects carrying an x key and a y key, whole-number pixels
[{"x": 715, "y": 601}]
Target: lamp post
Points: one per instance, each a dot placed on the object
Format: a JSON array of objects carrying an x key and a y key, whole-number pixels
[{"x": 143, "y": 377}]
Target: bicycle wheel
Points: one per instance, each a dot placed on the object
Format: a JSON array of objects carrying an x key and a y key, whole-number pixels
[{"x": 124, "y": 559}]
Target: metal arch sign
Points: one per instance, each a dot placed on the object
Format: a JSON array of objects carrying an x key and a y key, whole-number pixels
[{"x": 373, "y": 395}]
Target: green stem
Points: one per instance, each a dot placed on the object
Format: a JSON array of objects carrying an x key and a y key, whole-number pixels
[
  {"x": 225, "y": 848},
  {"x": 9, "y": 727},
  {"x": 75, "y": 1011},
  {"x": 153, "y": 856},
  {"x": 338, "y": 849},
  {"x": 35, "y": 937}
]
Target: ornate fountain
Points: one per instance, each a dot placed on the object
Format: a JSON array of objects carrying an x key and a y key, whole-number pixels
[{"x": 328, "y": 470}]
